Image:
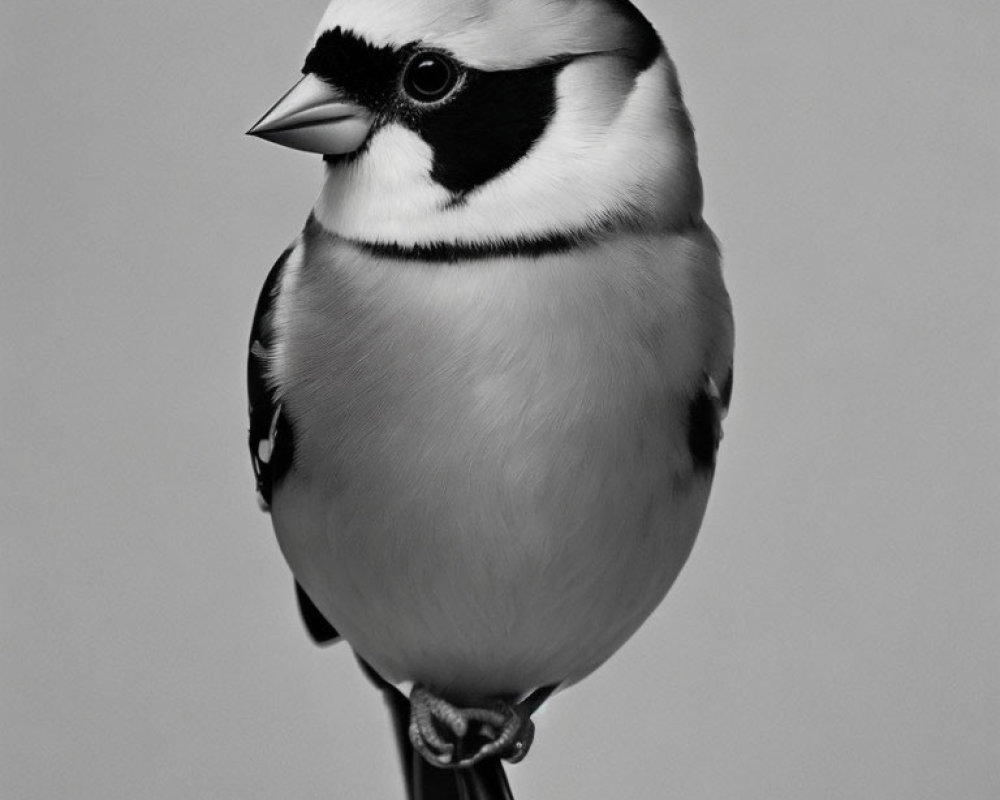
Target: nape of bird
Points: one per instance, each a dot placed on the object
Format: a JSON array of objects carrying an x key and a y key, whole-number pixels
[{"x": 487, "y": 379}]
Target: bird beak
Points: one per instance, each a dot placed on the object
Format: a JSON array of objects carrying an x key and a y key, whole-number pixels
[{"x": 315, "y": 117}]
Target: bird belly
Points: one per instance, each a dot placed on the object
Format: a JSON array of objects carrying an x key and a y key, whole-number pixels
[
  {"x": 489, "y": 494},
  {"x": 476, "y": 610}
]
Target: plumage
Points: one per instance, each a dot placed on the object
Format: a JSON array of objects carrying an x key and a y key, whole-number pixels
[
  {"x": 318, "y": 626},
  {"x": 487, "y": 381},
  {"x": 631, "y": 134},
  {"x": 270, "y": 457},
  {"x": 497, "y": 34},
  {"x": 490, "y": 410}
]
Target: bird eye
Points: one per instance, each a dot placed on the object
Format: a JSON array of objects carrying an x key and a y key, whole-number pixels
[{"x": 429, "y": 77}]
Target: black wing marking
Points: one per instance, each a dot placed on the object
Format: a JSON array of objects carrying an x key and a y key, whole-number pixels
[
  {"x": 271, "y": 439},
  {"x": 321, "y": 631},
  {"x": 705, "y": 415},
  {"x": 727, "y": 391}
]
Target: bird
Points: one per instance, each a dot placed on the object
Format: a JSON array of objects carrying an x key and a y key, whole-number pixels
[{"x": 487, "y": 379}]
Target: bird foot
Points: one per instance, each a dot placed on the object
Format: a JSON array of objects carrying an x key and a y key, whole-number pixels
[{"x": 449, "y": 736}]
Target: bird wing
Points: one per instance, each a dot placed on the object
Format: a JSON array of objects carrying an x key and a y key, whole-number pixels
[
  {"x": 705, "y": 415},
  {"x": 726, "y": 393},
  {"x": 318, "y": 627},
  {"x": 270, "y": 454},
  {"x": 271, "y": 443}
]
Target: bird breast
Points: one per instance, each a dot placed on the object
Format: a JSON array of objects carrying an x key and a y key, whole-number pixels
[{"x": 491, "y": 487}]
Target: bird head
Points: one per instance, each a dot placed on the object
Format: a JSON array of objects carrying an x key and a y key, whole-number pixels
[{"x": 483, "y": 120}]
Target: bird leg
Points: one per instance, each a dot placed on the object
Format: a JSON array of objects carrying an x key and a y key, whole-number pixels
[{"x": 449, "y": 736}]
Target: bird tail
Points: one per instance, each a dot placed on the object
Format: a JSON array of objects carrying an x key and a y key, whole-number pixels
[{"x": 484, "y": 780}]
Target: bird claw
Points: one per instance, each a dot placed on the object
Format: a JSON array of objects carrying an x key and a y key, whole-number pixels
[{"x": 449, "y": 736}]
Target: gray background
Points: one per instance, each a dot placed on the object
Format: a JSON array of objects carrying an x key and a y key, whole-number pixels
[{"x": 835, "y": 633}]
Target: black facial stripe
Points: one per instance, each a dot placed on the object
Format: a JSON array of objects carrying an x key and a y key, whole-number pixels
[
  {"x": 366, "y": 73},
  {"x": 491, "y": 123},
  {"x": 488, "y": 125}
]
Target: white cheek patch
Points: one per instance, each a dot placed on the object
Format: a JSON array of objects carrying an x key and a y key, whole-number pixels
[
  {"x": 607, "y": 153},
  {"x": 390, "y": 182}
]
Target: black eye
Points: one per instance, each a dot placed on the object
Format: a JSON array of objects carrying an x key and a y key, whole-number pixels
[{"x": 429, "y": 77}]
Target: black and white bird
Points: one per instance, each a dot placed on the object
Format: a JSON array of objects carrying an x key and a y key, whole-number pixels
[{"x": 487, "y": 379}]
